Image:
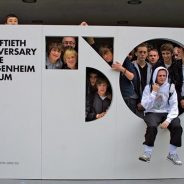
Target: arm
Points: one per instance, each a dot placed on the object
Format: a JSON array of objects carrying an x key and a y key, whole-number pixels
[
  {"x": 173, "y": 107},
  {"x": 90, "y": 113},
  {"x": 148, "y": 98},
  {"x": 124, "y": 71},
  {"x": 90, "y": 40},
  {"x": 173, "y": 110}
]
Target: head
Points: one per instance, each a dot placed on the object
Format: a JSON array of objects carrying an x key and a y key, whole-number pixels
[
  {"x": 106, "y": 52},
  {"x": 160, "y": 75},
  {"x": 167, "y": 52},
  {"x": 141, "y": 52},
  {"x": 181, "y": 52},
  {"x": 176, "y": 53},
  {"x": 93, "y": 78},
  {"x": 54, "y": 51},
  {"x": 11, "y": 19},
  {"x": 70, "y": 58},
  {"x": 102, "y": 86},
  {"x": 69, "y": 41},
  {"x": 153, "y": 56}
]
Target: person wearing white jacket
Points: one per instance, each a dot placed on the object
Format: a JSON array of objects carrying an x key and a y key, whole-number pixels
[{"x": 161, "y": 108}]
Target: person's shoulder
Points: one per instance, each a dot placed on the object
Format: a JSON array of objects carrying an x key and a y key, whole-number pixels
[
  {"x": 149, "y": 65},
  {"x": 128, "y": 64},
  {"x": 157, "y": 64}
]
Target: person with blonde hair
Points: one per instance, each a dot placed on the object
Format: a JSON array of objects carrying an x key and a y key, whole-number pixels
[{"x": 70, "y": 58}]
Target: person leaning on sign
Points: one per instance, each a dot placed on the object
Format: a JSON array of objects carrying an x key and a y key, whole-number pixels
[
  {"x": 127, "y": 86},
  {"x": 161, "y": 108}
]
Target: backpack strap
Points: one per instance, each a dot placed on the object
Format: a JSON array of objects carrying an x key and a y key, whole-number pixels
[{"x": 171, "y": 90}]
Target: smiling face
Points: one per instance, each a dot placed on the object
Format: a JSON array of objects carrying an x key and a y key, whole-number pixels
[
  {"x": 167, "y": 53},
  {"x": 70, "y": 58},
  {"x": 71, "y": 61},
  {"x": 54, "y": 55},
  {"x": 167, "y": 56}
]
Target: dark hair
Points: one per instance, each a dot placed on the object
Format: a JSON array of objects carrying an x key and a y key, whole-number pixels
[
  {"x": 10, "y": 15},
  {"x": 101, "y": 80},
  {"x": 153, "y": 49},
  {"x": 54, "y": 44}
]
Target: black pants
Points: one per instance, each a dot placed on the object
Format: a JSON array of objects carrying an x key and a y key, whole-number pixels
[
  {"x": 131, "y": 103},
  {"x": 152, "y": 121}
]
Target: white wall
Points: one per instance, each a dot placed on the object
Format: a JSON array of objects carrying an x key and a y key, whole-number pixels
[{"x": 43, "y": 129}]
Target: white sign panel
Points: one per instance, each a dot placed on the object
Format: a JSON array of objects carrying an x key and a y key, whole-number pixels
[
  {"x": 20, "y": 73},
  {"x": 44, "y": 132}
]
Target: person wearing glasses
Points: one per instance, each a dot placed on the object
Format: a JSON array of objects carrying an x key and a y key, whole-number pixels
[{"x": 69, "y": 42}]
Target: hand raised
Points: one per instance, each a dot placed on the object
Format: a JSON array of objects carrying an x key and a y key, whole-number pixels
[{"x": 155, "y": 87}]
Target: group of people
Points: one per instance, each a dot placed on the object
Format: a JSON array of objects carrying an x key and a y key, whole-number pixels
[
  {"x": 98, "y": 95},
  {"x": 62, "y": 54},
  {"x": 153, "y": 88},
  {"x": 151, "y": 83}
]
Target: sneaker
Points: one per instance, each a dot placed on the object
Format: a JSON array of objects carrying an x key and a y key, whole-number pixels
[
  {"x": 145, "y": 157},
  {"x": 174, "y": 159}
]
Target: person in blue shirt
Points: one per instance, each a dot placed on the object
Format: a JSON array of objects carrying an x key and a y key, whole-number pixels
[{"x": 128, "y": 83}]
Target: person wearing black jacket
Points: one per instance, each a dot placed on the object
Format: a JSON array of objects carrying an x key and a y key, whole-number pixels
[
  {"x": 181, "y": 81},
  {"x": 174, "y": 67},
  {"x": 100, "y": 103}
]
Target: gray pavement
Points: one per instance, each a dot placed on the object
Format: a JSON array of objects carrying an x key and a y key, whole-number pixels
[{"x": 154, "y": 181}]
